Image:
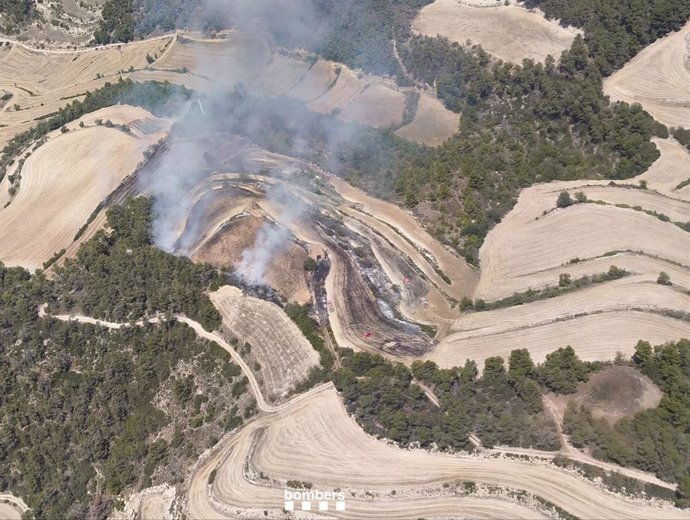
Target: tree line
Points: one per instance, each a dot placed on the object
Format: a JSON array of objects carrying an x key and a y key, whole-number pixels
[
  {"x": 502, "y": 406},
  {"x": 161, "y": 99}
]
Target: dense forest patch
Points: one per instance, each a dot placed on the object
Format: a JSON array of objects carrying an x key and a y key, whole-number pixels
[
  {"x": 16, "y": 13},
  {"x": 503, "y": 406},
  {"x": 655, "y": 440},
  {"x": 616, "y": 30},
  {"x": 79, "y": 401}
]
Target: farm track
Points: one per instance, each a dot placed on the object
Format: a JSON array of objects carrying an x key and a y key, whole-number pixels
[
  {"x": 274, "y": 445},
  {"x": 315, "y": 440}
]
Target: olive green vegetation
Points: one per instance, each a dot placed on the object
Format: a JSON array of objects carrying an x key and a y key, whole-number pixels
[
  {"x": 616, "y": 481},
  {"x": 359, "y": 33},
  {"x": 311, "y": 330},
  {"x": 79, "y": 400},
  {"x": 682, "y": 136},
  {"x": 16, "y": 14},
  {"x": 119, "y": 275},
  {"x": 162, "y": 99},
  {"x": 519, "y": 125},
  {"x": 565, "y": 284},
  {"x": 655, "y": 440},
  {"x": 616, "y": 30},
  {"x": 117, "y": 23},
  {"x": 503, "y": 406}
]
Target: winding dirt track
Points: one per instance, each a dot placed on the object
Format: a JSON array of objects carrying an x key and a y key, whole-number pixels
[
  {"x": 43, "y": 81},
  {"x": 312, "y": 438},
  {"x": 658, "y": 78},
  {"x": 315, "y": 440}
]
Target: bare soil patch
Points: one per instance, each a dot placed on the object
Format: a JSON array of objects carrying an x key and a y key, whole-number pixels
[{"x": 617, "y": 392}]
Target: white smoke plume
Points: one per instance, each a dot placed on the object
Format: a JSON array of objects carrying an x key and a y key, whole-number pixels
[{"x": 272, "y": 237}]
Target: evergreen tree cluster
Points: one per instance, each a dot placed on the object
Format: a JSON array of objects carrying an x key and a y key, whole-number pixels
[
  {"x": 162, "y": 99},
  {"x": 78, "y": 400},
  {"x": 616, "y": 30},
  {"x": 655, "y": 440},
  {"x": 519, "y": 125},
  {"x": 503, "y": 406}
]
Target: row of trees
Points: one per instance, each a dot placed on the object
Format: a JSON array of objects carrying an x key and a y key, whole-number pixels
[
  {"x": 503, "y": 406},
  {"x": 162, "y": 99}
]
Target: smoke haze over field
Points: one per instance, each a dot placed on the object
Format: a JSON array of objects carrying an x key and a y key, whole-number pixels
[
  {"x": 272, "y": 237},
  {"x": 278, "y": 124}
]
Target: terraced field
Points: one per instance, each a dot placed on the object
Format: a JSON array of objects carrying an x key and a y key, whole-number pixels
[
  {"x": 252, "y": 467},
  {"x": 41, "y": 81},
  {"x": 326, "y": 87},
  {"x": 64, "y": 180},
  {"x": 658, "y": 78},
  {"x": 281, "y": 349},
  {"x": 537, "y": 242}
]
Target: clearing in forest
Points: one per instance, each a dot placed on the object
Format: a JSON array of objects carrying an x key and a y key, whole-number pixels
[{"x": 509, "y": 32}]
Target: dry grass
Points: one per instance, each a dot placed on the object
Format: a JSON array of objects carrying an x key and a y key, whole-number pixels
[
  {"x": 326, "y": 87},
  {"x": 658, "y": 78},
  {"x": 535, "y": 243},
  {"x": 54, "y": 77},
  {"x": 65, "y": 180},
  {"x": 377, "y": 106},
  {"x": 594, "y": 337},
  {"x": 510, "y": 33},
  {"x": 282, "y": 350},
  {"x": 285, "y": 271},
  {"x": 617, "y": 392},
  {"x": 527, "y": 242},
  {"x": 313, "y": 439},
  {"x": 432, "y": 124},
  {"x": 671, "y": 169}
]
